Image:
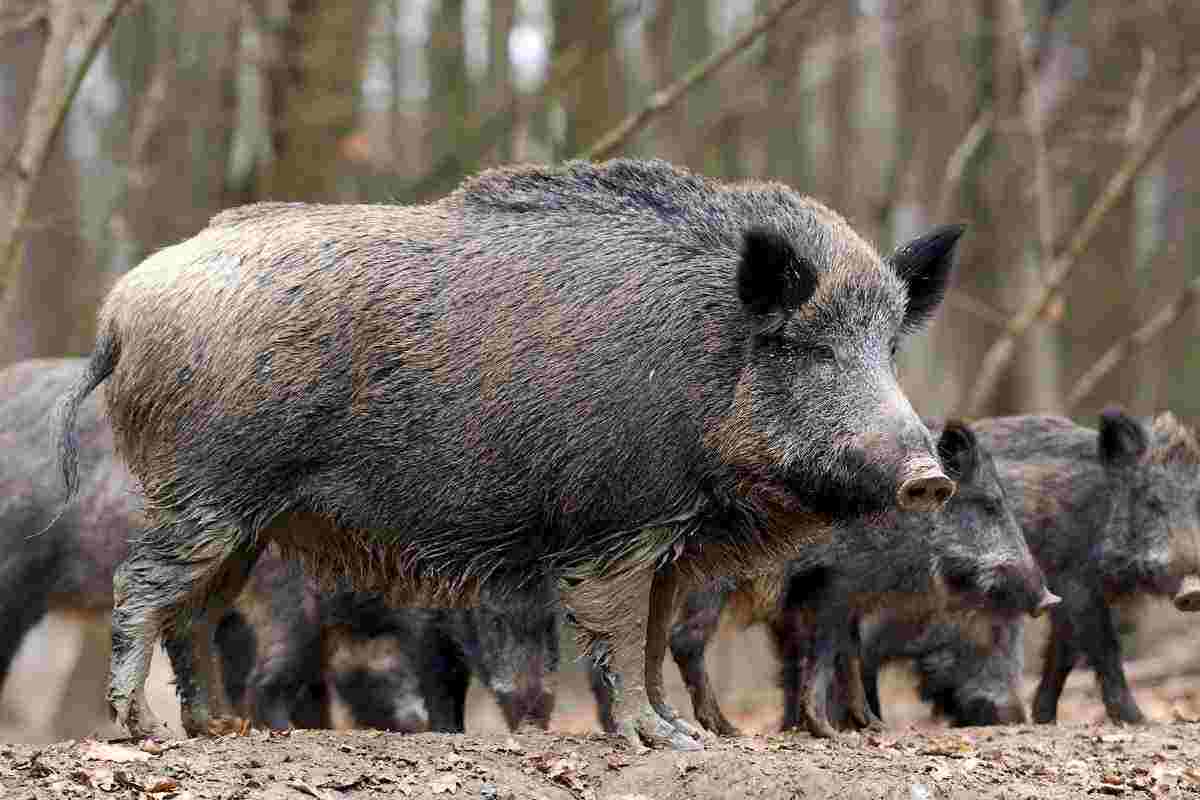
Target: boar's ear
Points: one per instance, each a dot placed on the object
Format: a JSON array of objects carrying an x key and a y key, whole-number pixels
[
  {"x": 1123, "y": 440},
  {"x": 770, "y": 276},
  {"x": 924, "y": 264},
  {"x": 959, "y": 451}
]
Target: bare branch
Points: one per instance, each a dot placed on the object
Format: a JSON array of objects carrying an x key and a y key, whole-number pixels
[
  {"x": 1000, "y": 354},
  {"x": 1137, "y": 101},
  {"x": 976, "y": 307},
  {"x": 17, "y": 15},
  {"x": 55, "y": 91},
  {"x": 959, "y": 159},
  {"x": 1036, "y": 123},
  {"x": 667, "y": 97},
  {"x": 1134, "y": 343}
]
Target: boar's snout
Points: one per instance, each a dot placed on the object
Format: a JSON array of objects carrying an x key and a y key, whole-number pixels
[
  {"x": 1048, "y": 601},
  {"x": 925, "y": 488},
  {"x": 1188, "y": 596}
]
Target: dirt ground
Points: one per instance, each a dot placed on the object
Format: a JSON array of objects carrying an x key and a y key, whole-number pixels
[{"x": 917, "y": 758}]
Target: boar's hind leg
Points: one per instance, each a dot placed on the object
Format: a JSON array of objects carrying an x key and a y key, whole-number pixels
[
  {"x": 614, "y": 619},
  {"x": 172, "y": 573}
]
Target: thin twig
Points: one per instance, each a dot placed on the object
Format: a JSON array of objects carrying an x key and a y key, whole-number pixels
[
  {"x": 52, "y": 98},
  {"x": 976, "y": 307},
  {"x": 1000, "y": 354},
  {"x": 18, "y": 16},
  {"x": 956, "y": 167},
  {"x": 1137, "y": 101},
  {"x": 1134, "y": 343},
  {"x": 665, "y": 98}
]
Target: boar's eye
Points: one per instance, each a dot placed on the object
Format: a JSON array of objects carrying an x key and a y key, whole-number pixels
[{"x": 895, "y": 348}]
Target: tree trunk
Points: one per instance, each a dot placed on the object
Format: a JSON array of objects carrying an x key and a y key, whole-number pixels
[
  {"x": 593, "y": 97},
  {"x": 313, "y": 79}
]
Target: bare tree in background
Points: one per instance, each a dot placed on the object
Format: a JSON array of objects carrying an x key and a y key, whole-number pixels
[
  {"x": 315, "y": 57},
  {"x": 43, "y": 261},
  {"x": 594, "y": 98}
]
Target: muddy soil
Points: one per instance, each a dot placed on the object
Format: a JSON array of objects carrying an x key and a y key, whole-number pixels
[
  {"x": 1069, "y": 761},
  {"x": 915, "y": 759}
]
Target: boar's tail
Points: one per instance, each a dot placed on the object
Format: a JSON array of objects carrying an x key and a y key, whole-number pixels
[{"x": 99, "y": 366}]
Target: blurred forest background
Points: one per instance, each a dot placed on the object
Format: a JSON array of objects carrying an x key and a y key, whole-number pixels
[
  {"x": 1012, "y": 116},
  {"x": 1061, "y": 131}
]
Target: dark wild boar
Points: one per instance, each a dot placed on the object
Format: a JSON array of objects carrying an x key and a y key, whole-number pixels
[
  {"x": 968, "y": 667},
  {"x": 618, "y": 375},
  {"x": 362, "y": 663},
  {"x": 1109, "y": 515},
  {"x": 972, "y": 556}
]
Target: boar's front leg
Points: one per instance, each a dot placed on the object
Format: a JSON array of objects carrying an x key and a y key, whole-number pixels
[
  {"x": 698, "y": 623},
  {"x": 857, "y": 701},
  {"x": 1098, "y": 640},
  {"x": 615, "y": 623},
  {"x": 830, "y": 643},
  {"x": 664, "y": 588}
]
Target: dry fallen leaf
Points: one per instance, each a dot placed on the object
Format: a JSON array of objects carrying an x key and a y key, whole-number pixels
[
  {"x": 448, "y": 784},
  {"x": 103, "y": 751},
  {"x": 616, "y": 760},
  {"x": 949, "y": 746},
  {"x": 160, "y": 785},
  {"x": 155, "y": 747}
]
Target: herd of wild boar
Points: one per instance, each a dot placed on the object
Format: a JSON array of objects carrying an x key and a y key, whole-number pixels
[{"x": 349, "y": 457}]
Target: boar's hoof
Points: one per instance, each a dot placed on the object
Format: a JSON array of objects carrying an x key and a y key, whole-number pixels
[
  {"x": 926, "y": 492},
  {"x": 647, "y": 726},
  {"x": 1048, "y": 601},
  {"x": 680, "y": 724},
  {"x": 1188, "y": 596},
  {"x": 136, "y": 717}
]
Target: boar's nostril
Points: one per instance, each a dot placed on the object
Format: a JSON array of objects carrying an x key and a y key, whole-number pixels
[
  {"x": 1188, "y": 596},
  {"x": 929, "y": 492}
]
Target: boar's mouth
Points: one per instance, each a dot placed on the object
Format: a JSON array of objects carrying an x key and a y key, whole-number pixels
[
  {"x": 852, "y": 486},
  {"x": 1004, "y": 590}
]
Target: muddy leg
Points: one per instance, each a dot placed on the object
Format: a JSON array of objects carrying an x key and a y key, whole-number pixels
[
  {"x": 199, "y": 680},
  {"x": 690, "y": 636},
  {"x": 663, "y": 589},
  {"x": 617, "y": 611},
  {"x": 170, "y": 575}
]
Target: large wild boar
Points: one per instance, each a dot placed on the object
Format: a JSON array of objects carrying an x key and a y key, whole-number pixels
[{"x": 618, "y": 375}]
